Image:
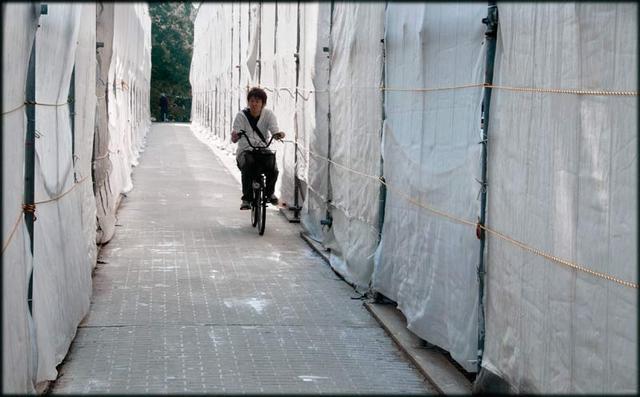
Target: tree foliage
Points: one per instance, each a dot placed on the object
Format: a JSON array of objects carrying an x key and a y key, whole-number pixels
[{"x": 171, "y": 51}]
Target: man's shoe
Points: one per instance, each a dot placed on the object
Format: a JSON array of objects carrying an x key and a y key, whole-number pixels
[
  {"x": 273, "y": 200},
  {"x": 245, "y": 205}
]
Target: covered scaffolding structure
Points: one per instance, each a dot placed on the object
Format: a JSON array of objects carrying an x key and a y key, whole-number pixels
[
  {"x": 503, "y": 233},
  {"x": 72, "y": 121}
]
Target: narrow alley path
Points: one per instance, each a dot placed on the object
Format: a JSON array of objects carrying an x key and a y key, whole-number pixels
[{"x": 188, "y": 298}]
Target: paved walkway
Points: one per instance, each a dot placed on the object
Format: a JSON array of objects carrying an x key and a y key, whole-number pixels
[{"x": 190, "y": 299}]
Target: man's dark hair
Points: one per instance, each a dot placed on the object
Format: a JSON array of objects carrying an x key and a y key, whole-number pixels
[{"x": 257, "y": 93}]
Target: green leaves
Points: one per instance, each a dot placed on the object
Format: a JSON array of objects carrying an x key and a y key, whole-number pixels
[{"x": 172, "y": 47}]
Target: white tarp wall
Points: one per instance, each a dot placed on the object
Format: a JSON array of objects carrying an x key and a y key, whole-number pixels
[
  {"x": 283, "y": 93},
  {"x": 214, "y": 75},
  {"x": 106, "y": 200},
  {"x": 426, "y": 262},
  {"x": 316, "y": 25},
  {"x": 123, "y": 115},
  {"x": 62, "y": 262},
  {"x": 563, "y": 179},
  {"x": 355, "y": 102},
  {"x": 541, "y": 328},
  {"x": 64, "y": 235},
  {"x": 127, "y": 105},
  {"x": 19, "y": 24},
  {"x": 237, "y": 46},
  {"x": 305, "y": 109}
]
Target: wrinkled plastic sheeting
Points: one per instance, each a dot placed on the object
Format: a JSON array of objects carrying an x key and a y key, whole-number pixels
[
  {"x": 305, "y": 118},
  {"x": 218, "y": 35},
  {"x": 64, "y": 240},
  {"x": 426, "y": 262},
  {"x": 84, "y": 120},
  {"x": 123, "y": 114},
  {"x": 317, "y": 23},
  {"x": 356, "y": 122},
  {"x": 19, "y": 23},
  {"x": 283, "y": 97},
  {"x": 563, "y": 178},
  {"x": 237, "y": 46},
  {"x": 106, "y": 204}
]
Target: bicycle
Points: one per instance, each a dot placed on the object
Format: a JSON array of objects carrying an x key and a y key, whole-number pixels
[{"x": 259, "y": 183}]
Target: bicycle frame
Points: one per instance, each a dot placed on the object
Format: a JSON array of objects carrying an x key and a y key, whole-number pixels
[{"x": 258, "y": 184}]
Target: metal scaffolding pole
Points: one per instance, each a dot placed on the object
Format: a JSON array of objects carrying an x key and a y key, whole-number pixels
[
  {"x": 29, "y": 157},
  {"x": 492, "y": 28}
]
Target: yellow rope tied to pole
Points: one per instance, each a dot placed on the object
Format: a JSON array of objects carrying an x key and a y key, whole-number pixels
[
  {"x": 31, "y": 208},
  {"x": 13, "y": 110},
  {"x": 475, "y": 225},
  {"x": 519, "y": 89}
]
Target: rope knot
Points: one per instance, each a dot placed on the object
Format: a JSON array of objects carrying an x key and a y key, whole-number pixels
[{"x": 30, "y": 209}]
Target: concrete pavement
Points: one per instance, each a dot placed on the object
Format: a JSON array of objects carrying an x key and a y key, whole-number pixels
[{"x": 189, "y": 299}]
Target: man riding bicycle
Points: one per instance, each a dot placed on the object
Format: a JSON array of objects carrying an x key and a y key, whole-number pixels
[{"x": 258, "y": 123}]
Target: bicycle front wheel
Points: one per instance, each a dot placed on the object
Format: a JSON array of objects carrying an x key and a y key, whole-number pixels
[
  {"x": 255, "y": 208},
  {"x": 262, "y": 213}
]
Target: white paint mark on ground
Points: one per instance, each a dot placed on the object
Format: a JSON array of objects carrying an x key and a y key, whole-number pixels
[
  {"x": 256, "y": 304},
  {"x": 311, "y": 378},
  {"x": 216, "y": 340}
]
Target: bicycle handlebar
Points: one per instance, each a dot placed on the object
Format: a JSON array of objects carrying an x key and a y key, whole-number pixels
[{"x": 244, "y": 133}]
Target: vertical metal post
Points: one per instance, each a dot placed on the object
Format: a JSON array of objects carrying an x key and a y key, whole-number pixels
[
  {"x": 231, "y": 73},
  {"x": 328, "y": 221},
  {"x": 383, "y": 188},
  {"x": 275, "y": 30},
  {"x": 259, "y": 61},
  {"x": 29, "y": 158},
  {"x": 296, "y": 182},
  {"x": 72, "y": 117},
  {"x": 240, "y": 54},
  {"x": 492, "y": 28}
]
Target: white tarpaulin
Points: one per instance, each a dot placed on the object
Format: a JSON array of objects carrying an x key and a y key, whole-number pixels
[
  {"x": 19, "y": 23},
  {"x": 123, "y": 114},
  {"x": 305, "y": 112},
  {"x": 426, "y": 262},
  {"x": 62, "y": 264},
  {"x": 64, "y": 236},
  {"x": 130, "y": 66},
  {"x": 563, "y": 179},
  {"x": 217, "y": 72},
  {"x": 283, "y": 95},
  {"x": 562, "y": 167},
  {"x": 252, "y": 46},
  {"x": 356, "y": 122},
  {"x": 317, "y": 22}
]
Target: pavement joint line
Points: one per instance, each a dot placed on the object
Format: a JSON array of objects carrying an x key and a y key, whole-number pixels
[{"x": 232, "y": 325}]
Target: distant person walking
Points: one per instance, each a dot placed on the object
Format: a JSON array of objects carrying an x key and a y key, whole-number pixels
[{"x": 164, "y": 107}]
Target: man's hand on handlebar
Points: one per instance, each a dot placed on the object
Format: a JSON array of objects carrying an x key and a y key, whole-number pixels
[
  {"x": 278, "y": 136},
  {"x": 235, "y": 136}
]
